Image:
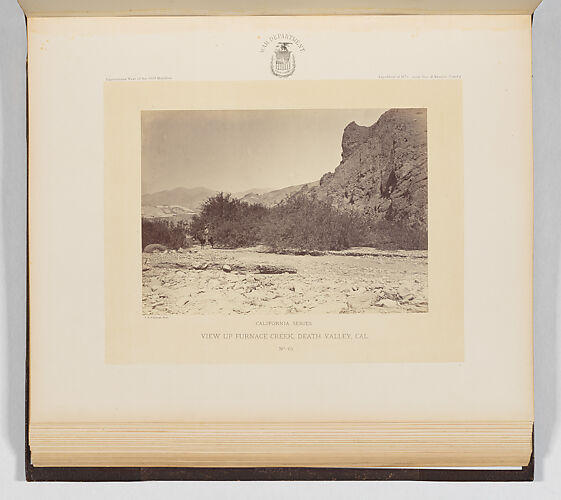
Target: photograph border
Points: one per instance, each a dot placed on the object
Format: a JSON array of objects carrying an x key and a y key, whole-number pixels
[{"x": 436, "y": 336}]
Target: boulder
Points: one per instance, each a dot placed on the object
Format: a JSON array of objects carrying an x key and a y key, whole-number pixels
[
  {"x": 328, "y": 307},
  {"x": 155, "y": 283},
  {"x": 359, "y": 302},
  {"x": 154, "y": 248},
  {"x": 387, "y": 303},
  {"x": 273, "y": 269}
]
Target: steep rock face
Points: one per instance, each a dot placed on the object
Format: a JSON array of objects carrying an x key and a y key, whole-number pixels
[
  {"x": 383, "y": 170},
  {"x": 354, "y": 135}
]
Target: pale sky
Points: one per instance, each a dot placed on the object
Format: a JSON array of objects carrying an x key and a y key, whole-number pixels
[{"x": 235, "y": 151}]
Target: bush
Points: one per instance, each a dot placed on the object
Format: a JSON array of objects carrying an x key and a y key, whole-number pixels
[
  {"x": 310, "y": 224},
  {"x": 395, "y": 235},
  {"x": 232, "y": 223},
  {"x": 164, "y": 232},
  {"x": 299, "y": 223}
]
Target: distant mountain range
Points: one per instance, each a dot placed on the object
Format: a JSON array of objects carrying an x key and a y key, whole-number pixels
[
  {"x": 188, "y": 198},
  {"x": 382, "y": 173},
  {"x": 272, "y": 198},
  {"x": 187, "y": 201}
]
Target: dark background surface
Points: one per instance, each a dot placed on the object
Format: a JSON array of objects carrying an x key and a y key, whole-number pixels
[{"x": 547, "y": 156}]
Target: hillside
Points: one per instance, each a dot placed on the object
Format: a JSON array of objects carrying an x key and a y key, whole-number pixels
[
  {"x": 189, "y": 199},
  {"x": 167, "y": 212},
  {"x": 383, "y": 169},
  {"x": 272, "y": 198}
]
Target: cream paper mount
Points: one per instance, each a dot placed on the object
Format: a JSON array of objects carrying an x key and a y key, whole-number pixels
[{"x": 434, "y": 336}]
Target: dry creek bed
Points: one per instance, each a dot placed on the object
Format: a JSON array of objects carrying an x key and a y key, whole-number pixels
[{"x": 242, "y": 281}]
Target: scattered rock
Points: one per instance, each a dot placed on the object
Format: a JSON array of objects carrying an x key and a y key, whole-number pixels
[
  {"x": 205, "y": 281},
  {"x": 327, "y": 307},
  {"x": 155, "y": 283},
  {"x": 387, "y": 303},
  {"x": 271, "y": 269},
  {"x": 359, "y": 302}
]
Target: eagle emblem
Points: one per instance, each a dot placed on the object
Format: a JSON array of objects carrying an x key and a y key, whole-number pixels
[{"x": 283, "y": 63}]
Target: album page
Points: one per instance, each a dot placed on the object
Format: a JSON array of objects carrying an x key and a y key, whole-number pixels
[
  {"x": 280, "y": 219},
  {"x": 64, "y": 8}
]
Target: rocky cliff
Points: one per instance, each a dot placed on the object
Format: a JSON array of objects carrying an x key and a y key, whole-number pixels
[{"x": 383, "y": 169}]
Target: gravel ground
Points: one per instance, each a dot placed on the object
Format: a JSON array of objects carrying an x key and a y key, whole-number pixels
[{"x": 243, "y": 281}]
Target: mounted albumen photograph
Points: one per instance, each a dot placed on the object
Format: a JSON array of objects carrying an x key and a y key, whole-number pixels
[{"x": 303, "y": 211}]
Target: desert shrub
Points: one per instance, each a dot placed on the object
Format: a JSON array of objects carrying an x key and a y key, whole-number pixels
[
  {"x": 189, "y": 241},
  {"x": 393, "y": 235},
  {"x": 309, "y": 224},
  {"x": 299, "y": 223},
  {"x": 232, "y": 223},
  {"x": 163, "y": 232}
]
